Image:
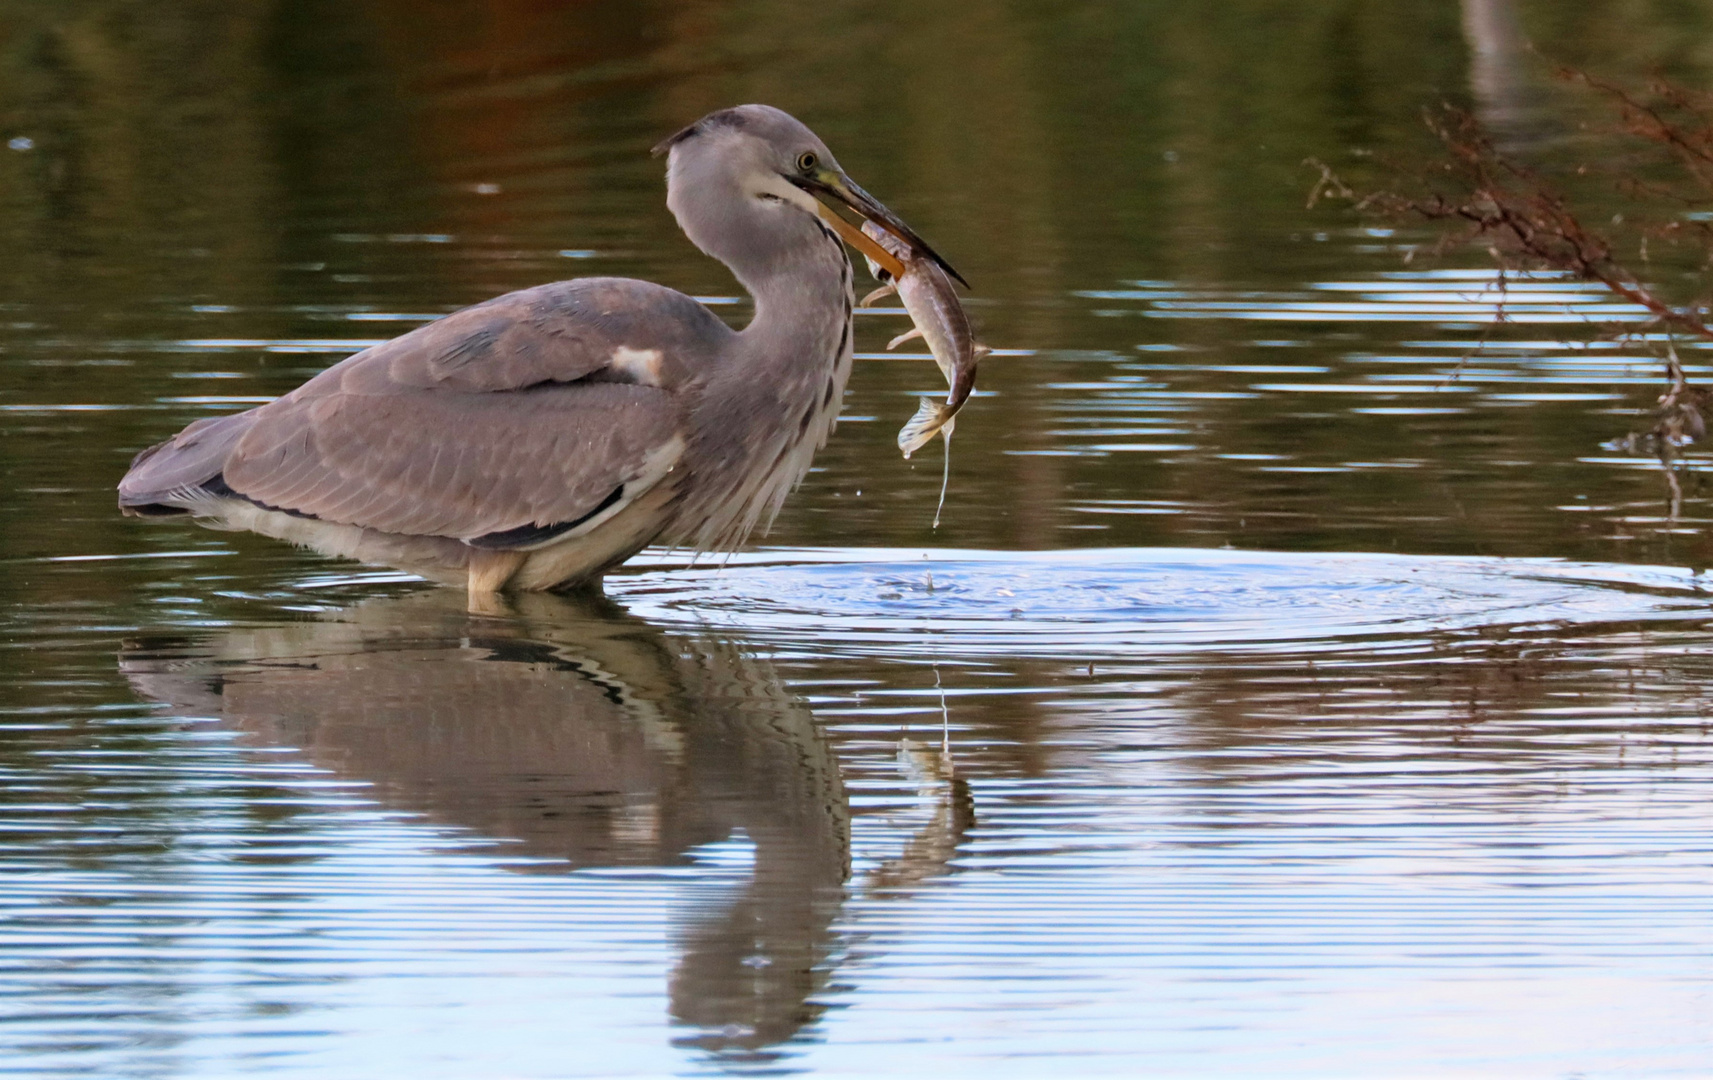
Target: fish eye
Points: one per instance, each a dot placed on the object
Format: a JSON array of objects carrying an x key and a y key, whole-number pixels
[{"x": 806, "y": 161}]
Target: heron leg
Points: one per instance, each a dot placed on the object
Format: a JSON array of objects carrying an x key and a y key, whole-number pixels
[{"x": 489, "y": 571}]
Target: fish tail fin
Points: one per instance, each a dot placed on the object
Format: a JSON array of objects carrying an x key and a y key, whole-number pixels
[{"x": 931, "y": 416}]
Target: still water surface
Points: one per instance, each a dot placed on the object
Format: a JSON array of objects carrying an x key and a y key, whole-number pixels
[{"x": 1287, "y": 691}]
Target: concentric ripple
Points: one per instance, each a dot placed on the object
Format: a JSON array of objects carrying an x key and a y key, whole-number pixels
[{"x": 1132, "y": 602}]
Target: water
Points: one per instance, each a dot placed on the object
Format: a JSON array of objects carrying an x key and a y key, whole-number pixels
[{"x": 1291, "y": 689}]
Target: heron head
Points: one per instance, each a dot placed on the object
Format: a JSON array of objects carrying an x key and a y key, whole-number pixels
[{"x": 758, "y": 157}]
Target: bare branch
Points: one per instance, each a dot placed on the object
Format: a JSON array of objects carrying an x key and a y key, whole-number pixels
[{"x": 1480, "y": 195}]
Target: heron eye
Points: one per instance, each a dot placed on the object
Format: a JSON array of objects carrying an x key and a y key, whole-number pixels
[{"x": 806, "y": 162}]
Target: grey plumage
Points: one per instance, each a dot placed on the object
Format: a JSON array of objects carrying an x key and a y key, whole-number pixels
[{"x": 540, "y": 438}]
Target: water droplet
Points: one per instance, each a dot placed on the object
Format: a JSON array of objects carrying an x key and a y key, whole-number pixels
[{"x": 20, "y": 142}]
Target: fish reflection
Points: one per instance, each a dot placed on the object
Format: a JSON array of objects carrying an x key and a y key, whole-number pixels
[
  {"x": 582, "y": 737},
  {"x": 929, "y": 852}
]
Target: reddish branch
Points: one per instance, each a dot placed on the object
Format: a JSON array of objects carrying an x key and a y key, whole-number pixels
[
  {"x": 1484, "y": 197},
  {"x": 1688, "y": 133},
  {"x": 1476, "y": 194}
]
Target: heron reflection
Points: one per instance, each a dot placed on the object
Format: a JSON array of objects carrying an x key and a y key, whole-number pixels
[{"x": 582, "y": 737}]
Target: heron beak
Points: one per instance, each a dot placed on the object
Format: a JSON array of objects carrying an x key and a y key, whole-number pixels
[{"x": 841, "y": 188}]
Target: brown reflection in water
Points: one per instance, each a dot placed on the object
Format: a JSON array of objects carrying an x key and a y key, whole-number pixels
[
  {"x": 1513, "y": 710},
  {"x": 501, "y": 95},
  {"x": 579, "y": 737}
]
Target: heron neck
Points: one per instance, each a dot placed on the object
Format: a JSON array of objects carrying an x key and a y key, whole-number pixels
[
  {"x": 775, "y": 399},
  {"x": 802, "y": 305}
]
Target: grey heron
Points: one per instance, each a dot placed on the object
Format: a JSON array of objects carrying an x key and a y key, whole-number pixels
[{"x": 538, "y": 439}]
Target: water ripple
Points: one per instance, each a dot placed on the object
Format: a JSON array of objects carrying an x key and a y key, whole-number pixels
[{"x": 1094, "y": 603}]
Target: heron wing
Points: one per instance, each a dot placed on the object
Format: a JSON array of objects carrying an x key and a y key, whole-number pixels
[
  {"x": 501, "y": 424},
  {"x": 562, "y": 332},
  {"x": 503, "y": 469}
]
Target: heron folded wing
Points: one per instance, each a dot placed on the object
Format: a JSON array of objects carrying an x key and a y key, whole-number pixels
[
  {"x": 469, "y": 466},
  {"x": 559, "y": 333}
]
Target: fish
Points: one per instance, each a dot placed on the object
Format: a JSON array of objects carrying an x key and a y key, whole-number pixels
[
  {"x": 932, "y": 301},
  {"x": 928, "y": 294}
]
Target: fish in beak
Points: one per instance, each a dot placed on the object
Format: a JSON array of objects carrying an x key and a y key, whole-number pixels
[{"x": 827, "y": 184}]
